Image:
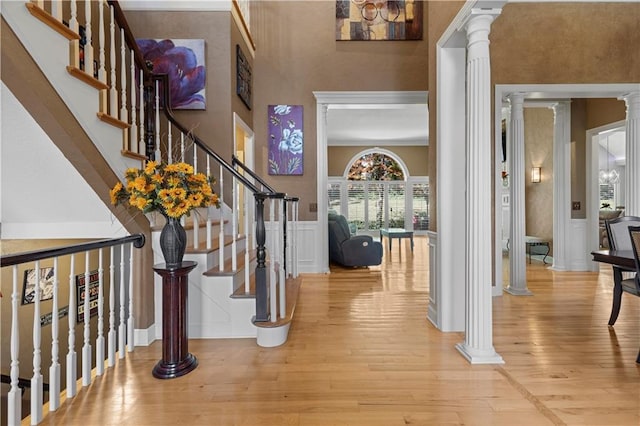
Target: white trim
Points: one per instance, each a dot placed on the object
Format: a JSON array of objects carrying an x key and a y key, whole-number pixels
[{"x": 178, "y": 5}]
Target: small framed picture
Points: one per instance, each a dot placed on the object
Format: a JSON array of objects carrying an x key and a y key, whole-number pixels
[{"x": 45, "y": 281}]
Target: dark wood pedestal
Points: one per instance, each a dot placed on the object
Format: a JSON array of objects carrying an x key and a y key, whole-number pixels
[{"x": 176, "y": 360}]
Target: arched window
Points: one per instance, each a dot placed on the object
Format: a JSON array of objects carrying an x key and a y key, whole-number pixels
[{"x": 377, "y": 192}]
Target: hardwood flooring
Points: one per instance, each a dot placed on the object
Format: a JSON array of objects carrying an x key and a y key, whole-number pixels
[{"x": 361, "y": 352}]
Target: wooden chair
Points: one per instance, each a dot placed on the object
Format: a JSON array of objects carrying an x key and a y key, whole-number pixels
[{"x": 618, "y": 236}]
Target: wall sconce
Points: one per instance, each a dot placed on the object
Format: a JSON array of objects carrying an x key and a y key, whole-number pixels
[{"x": 535, "y": 174}]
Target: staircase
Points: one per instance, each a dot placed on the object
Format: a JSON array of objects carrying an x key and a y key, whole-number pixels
[{"x": 245, "y": 285}]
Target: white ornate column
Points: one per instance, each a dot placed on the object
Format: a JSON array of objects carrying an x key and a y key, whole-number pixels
[
  {"x": 561, "y": 183},
  {"x": 517, "y": 247},
  {"x": 478, "y": 344},
  {"x": 632, "y": 153}
]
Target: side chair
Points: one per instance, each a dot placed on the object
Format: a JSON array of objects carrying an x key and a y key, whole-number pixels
[
  {"x": 618, "y": 236},
  {"x": 632, "y": 285}
]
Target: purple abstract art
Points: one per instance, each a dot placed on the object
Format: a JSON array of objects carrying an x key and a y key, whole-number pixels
[
  {"x": 183, "y": 61},
  {"x": 286, "y": 141}
]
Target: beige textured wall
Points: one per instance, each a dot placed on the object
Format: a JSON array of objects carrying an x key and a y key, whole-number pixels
[
  {"x": 414, "y": 157},
  {"x": 566, "y": 43},
  {"x": 538, "y": 142},
  {"x": 297, "y": 54},
  {"x": 604, "y": 111}
]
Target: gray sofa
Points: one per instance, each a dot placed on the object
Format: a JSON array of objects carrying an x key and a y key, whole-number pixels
[{"x": 348, "y": 250}]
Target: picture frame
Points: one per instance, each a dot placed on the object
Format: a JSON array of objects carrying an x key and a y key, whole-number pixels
[
  {"x": 286, "y": 140},
  {"x": 183, "y": 60},
  {"x": 243, "y": 77},
  {"x": 29, "y": 286},
  {"x": 94, "y": 282}
]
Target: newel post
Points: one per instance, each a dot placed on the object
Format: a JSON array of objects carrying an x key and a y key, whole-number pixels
[{"x": 262, "y": 289}]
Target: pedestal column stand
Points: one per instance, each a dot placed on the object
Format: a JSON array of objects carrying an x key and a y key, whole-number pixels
[{"x": 176, "y": 360}]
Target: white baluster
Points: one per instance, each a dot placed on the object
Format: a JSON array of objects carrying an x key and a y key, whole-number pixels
[
  {"x": 195, "y": 159},
  {"x": 295, "y": 239},
  {"x": 102, "y": 73},
  {"x": 234, "y": 224},
  {"x": 14, "y": 398},
  {"x": 134, "y": 125},
  {"x": 157, "y": 131},
  {"x": 131, "y": 319},
  {"x": 142, "y": 146},
  {"x": 73, "y": 20},
  {"x": 100, "y": 338},
  {"x": 111, "y": 336},
  {"x": 169, "y": 144},
  {"x": 273, "y": 260},
  {"x": 88, "y": 47},
  {"x": 54, "y": 370},
  {"x": 221, "y": 234},
  {"x": 196, "y": 228},
  {"x": 113, "y": 91},
  {"x": 124, "y": 116},
  {"x": 56, "y": 9},
  {"x": 281, "y": 265},
  {"x": 122, "y": 327},
  {"x": 209, "y": 225},
  {"x": 247, "y": 240},
  {"x": 181, "y": 146},
  {"x": 72, "y": 373},
  {"x": 86, "y": 348},
  {"x": 36, "y": 380}
]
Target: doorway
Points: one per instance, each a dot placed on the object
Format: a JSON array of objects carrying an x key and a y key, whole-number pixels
[
  {"x": 328, "y": 101},
  {"x": 243, "y": 139}
]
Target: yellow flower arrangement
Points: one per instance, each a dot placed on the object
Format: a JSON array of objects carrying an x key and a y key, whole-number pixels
[{"x": 172, "y": 189}]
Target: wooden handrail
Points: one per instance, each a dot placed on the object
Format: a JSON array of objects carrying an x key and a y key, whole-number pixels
[{"x": 31, "y": 256}]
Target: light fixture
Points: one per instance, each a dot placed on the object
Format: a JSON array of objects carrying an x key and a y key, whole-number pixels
[
  {"x": 609, "y": 176},
  {"x": 535, "y": 174}
]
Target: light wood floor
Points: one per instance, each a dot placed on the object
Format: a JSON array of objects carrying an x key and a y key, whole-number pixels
[{"x": 361, "y": 352}]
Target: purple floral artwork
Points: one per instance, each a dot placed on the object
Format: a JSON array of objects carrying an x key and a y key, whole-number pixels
[
  {"x": 183, "y": 61},
  {"x": 285, "y": 139}
]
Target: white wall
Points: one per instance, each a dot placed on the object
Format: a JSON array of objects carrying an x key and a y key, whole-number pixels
[{"x": 41, "y": 194}]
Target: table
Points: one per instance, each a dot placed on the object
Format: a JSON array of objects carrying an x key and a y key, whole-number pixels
[
  {"x": 621, "y": 261},
  {"x": 532, "y": 242},
  {"x": 176, "y": 360},
  {"x": 535, "y": 241},
  {"x": 398, "y": 233}
]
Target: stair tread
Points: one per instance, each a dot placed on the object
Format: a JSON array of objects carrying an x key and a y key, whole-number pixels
[
  {"x": 216, "y": 272},
  {"x": 187, "y": 226},
  {"x": 292, "y": 287}
]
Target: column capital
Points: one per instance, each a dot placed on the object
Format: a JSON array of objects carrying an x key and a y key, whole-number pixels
[
  {"x": 632, "y": 101},
  {"x": 488, "y": 14}
]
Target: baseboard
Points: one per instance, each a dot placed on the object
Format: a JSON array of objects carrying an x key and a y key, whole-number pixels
[{"x": 144, "y": 337}]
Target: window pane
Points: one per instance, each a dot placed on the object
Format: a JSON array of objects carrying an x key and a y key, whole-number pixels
[
  {"x": 396, "y": 205},
  {"x": 355, "y": 193},
  {"x": 420, "y": 193},
  {"x": 334, "y": 198},
  {"x": 376, "y": 208}
]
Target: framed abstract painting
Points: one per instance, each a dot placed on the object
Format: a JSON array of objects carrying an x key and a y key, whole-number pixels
[
  {"x": 286, "y": 141},
  {"x": 379, "y": 20},
  {"x": 183, "y": 61}
]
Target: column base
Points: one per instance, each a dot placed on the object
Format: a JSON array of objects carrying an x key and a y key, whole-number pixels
[
  {"x": 518, "y": 291},
  {"x": 171, "y": 370},
  {"x": 475, "y": 356}
]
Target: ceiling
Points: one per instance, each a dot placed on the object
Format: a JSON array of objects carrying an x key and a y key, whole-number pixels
[{"x": 378, "y": 124}]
